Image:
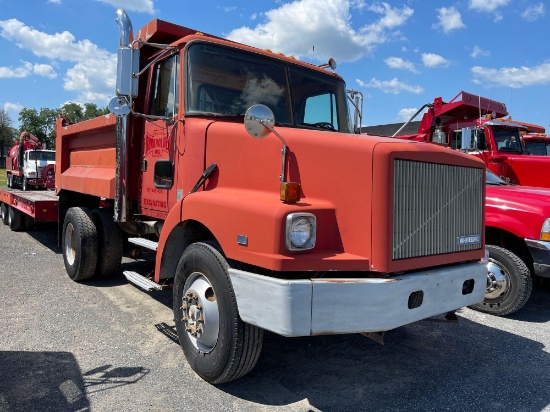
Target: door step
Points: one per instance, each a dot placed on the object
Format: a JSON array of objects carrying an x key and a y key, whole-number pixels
[
  {"x": 141, "y": 281},
  {"x": 146, "y": 243}
]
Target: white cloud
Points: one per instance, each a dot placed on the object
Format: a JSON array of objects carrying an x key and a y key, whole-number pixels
[
  {"x": 54, "y": 1},
  {"x": 534, "y": 12},
  {"x": 478, "y": 51},
  {"x": 434, "y": 60},
  {"x": 406, "y": 113},
  {"x": 140, "y": 6},
  {"x": 512, "y": 76},
  {"x": 254, "y": 16},
  {"x": 229, "y": 8},
  {"x": 399, "y": 63},
  {"x": 487, "y": 5},
  {"x": 13, "y": 107},
  {"x": 94, "y": 72},
  {"x": 294, "y": 28},
  {"x": 393, "y": 86},
  {"x": 449, "y": 19},
  {"x": 26, "y": 69}
]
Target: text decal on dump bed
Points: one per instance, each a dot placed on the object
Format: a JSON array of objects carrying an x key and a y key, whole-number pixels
[{"x": 468, "y": 240}]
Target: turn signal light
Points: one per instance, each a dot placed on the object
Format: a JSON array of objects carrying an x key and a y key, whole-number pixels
[{"x": 291, "y": 192}]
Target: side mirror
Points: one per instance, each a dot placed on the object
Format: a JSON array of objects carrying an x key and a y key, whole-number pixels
[
  {"x": 466, "y": 138},
  {"x": 128, "y": 58},
  {"x": 254, "y": 118}
]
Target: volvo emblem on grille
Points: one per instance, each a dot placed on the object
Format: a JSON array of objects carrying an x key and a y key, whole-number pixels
[{"x": 468, "y": 240}]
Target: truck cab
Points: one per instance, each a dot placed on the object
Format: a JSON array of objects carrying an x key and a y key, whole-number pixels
[{"x": 477, "y": 126}]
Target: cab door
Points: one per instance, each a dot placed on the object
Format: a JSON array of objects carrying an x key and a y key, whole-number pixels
[{"x": 157, "y": 166}]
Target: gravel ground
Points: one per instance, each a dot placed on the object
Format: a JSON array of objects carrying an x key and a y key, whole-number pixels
[{"x": 107, "y": 346}]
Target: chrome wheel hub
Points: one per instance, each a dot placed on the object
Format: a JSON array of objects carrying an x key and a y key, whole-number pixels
[
  {"x": 70, "y": 250},
  {"x": 498, "y": 280},
  {"x": 200, "y": 312}
]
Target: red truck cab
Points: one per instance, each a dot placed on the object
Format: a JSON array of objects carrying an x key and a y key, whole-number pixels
[
  {"x": 517, "y": 232},
  {"x": 476, "y": 125},
  {"x": 241, "y": 169}
]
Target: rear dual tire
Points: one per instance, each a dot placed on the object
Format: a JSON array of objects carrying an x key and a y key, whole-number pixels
[{"x": 92, "y": 244}]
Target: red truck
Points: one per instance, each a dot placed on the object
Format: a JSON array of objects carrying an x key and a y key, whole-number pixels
[
  {"x": 517, "y": 234},
  {"x": 28, "y": 165},
  {"x": 475, "y": 124},
  {"x": 241, "y": 169}
]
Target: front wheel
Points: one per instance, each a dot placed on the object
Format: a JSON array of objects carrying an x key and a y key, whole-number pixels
[
  {"x": 218, "y": 345},
  {"x": 79, "y": 241},
  {"x": 25, "y": 184},
  {"x": 509, "y": 283},
  {"x": 9, "y": 181}
]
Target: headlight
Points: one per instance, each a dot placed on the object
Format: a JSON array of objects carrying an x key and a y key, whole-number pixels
[
  {"x": 545, "y": 231},
  {"x": 301, "y": 231}
]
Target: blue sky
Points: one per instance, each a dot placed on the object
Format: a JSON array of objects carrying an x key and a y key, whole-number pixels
[{"x": 399, "y": 54}]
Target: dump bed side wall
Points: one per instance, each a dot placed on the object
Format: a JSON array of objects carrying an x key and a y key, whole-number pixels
[{"x": 86, "y": 156}]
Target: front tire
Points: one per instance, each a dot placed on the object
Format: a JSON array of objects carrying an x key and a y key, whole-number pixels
[
  {"x": 509, "y": 283},
  {"x": 79, "y": 242},
  {"x": 218, "y": 345},
  {"x": 25, "y": 184},
  {"x": 9, "y": 182}
]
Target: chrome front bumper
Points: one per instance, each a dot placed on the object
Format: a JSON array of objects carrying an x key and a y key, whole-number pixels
[{"x": 328, "y": 306}]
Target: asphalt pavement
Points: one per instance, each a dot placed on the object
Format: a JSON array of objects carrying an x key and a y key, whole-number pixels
[{"x": 108, "y": 346}]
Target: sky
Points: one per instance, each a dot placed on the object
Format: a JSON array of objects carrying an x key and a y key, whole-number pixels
[{"x": 399, "y": 54}]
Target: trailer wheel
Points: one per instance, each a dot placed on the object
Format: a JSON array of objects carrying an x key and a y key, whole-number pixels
[
  {"x": 509, "y": 283},
  {"x": 25, "y": 184},
  {"x": 79, "y": 242},
  {"x": 218, "y": 345},
  {"x": 14, "y": 219},
  {"x": 4, "y": 211},
  {"x": 109, "y": 245}
]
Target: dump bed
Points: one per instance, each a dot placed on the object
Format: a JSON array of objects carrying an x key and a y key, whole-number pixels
[{"x": 86, "y": 156}]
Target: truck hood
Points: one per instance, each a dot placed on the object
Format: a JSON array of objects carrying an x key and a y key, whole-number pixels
[{"x": 518, "y": 209}]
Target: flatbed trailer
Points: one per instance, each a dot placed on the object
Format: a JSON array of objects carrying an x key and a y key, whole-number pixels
[{"x": 21, "y": 209}]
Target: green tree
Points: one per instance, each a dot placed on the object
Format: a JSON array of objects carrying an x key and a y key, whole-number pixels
[
  {"x": 91, "y": 110},
  {"x": 73, "y": 111},
  {"x": 7, "y": 132}
]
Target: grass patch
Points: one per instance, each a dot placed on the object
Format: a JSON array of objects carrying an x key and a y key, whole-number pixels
[{"x": 3, "y": 177}]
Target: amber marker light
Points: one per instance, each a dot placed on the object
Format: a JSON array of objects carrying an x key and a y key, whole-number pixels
[
  {"x": 545, "y": 230},
  {"x": 291, "y": 192}
]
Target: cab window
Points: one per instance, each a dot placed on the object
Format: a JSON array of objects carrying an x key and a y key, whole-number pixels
[{"x": 164, "y": 99}]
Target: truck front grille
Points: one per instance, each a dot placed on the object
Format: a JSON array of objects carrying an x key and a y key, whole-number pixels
[{"x": 436, "y": 209}]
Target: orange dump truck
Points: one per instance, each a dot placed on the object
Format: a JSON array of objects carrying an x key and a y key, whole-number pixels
[{"x": 241, "y": 169}]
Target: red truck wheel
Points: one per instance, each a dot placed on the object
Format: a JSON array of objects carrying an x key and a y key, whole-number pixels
[
  {"x": 14, "y": 219},
  {"x": 218, "y": 345},
  {"x": 79, "y": 241},
  {"x": 509, "y": 283},
  {"x": 109, "y": 245},
  {"x": 4, "y": 211}
]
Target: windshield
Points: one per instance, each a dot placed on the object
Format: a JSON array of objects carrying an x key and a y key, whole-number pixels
[
  {"x": 492, "y": 179},
  {"x": 39, "y": 155},
  {"x": 226, "y": 82},
  {"x": 507, "y": 139}
]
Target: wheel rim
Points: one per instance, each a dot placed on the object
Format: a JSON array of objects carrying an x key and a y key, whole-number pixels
[
  {"x": 498, "y": 282},
  {"x": 70, "y": 249},
  {"x": 200, "y": 312}
]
